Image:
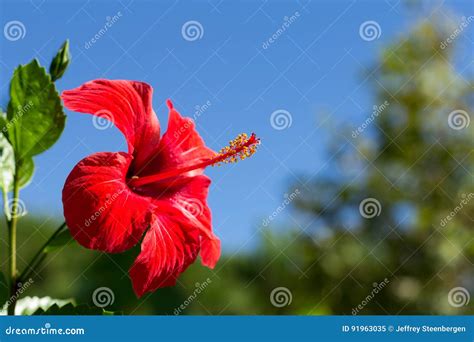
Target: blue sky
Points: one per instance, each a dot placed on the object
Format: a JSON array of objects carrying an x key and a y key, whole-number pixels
[{"x": 313, "y": 71}]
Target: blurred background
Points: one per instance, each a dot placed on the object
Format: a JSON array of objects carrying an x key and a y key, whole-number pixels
[{"x": 361, "y": 197}]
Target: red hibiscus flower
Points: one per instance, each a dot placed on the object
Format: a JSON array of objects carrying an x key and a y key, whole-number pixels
[{"x": 155, "y": 193}]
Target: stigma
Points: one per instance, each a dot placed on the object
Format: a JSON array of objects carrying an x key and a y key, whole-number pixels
[{"x": 242, "y": 147}]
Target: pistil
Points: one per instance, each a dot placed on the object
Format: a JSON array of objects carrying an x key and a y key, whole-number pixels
[{"x": 240, "y": 148}]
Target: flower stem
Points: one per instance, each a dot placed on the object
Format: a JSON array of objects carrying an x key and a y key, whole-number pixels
[
  {"x": 12, "y": 246},
  {"x": 39, "y": 256}
]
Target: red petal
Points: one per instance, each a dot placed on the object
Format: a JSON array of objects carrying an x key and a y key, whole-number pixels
[
  {"x": 128, "y": 104},
  {"x": 166, "y": 252},
  {"x": 100, "y": 209},
  {"x": 183, "y": 227},
  {"x": 180, "y": 145},
  {"x": 188, "y": 198},
  {"x": 210, "y": 251}
]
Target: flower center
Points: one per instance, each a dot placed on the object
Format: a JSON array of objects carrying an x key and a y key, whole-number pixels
[{"x": 240, "y": 148}]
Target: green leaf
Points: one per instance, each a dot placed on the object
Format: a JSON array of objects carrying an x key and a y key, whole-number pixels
[
  {"x": 71, "y": 309},
  {"x": 60, "y": 62},
  {"x": 62, "y": 239},
  {"x": 35, "y": 115},
  {"x": 7, "y": 164},
  {"x": 31, "y": 305},
  {"x": 4, "y": 290},
  {"x": 25, "y": 169}
]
